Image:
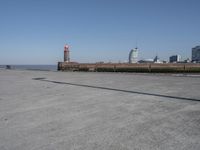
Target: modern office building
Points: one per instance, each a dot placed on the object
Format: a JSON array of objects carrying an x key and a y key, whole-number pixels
[
  {"x": 133, "y": 56},
  {"x": 174, "y": 58},
  {"x": 196, "y": 54}
]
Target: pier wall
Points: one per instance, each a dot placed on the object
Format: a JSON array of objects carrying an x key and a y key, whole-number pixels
[{"x": 125, "y": 67}]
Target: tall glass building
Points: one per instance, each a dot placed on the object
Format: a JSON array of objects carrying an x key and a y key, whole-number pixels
[
  {"x": 133, "y": 55},
  {"x": 196, "y": 54}
]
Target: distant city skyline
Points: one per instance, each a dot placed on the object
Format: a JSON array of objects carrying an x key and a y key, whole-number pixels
[{"x": 35, "y": 31}]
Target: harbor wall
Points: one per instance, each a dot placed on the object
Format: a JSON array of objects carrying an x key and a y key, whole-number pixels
[{"x": 125, "y": 67}]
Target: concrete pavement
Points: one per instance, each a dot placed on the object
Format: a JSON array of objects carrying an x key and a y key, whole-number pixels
[{"x": 41, "y": 110}]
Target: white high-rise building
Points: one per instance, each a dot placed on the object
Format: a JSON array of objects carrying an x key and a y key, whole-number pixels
[
  {"x": 196, "y": 54},
  {"x": 133, "y": 55}
]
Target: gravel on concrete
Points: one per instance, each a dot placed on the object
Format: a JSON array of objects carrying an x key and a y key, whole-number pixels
[{"x": 43, "y": 110}]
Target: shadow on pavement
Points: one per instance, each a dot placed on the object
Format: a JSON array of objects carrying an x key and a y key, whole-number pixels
[{"x": 119, "y": 90}]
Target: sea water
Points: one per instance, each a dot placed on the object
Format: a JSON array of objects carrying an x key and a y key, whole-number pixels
[{"x": 34, "y": 67}]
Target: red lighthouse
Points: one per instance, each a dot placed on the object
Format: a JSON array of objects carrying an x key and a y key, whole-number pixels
[{"x": 66, "y": 53}]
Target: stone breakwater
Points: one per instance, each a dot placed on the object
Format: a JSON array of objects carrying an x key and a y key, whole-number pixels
[{"x": 124, "y": 67}]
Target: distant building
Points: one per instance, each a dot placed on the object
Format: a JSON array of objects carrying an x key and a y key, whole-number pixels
[
  {"x": 196, "y": 54},
  {"x": 174, "y": 58},
  {"x": 146, "y": 61},
  {"x": 157, "y": 60},
  {"x": 187, "y": 60},
  {"x": 133, "y": 55}
]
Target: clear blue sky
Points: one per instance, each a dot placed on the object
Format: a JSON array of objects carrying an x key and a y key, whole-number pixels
[{"x": 35, "y": 31}]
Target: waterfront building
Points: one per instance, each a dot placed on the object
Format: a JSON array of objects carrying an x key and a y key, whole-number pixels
[
  {"x": 133, "y": 56},
  {"x": 157, "y": 60},
  {"x": 146, "y": 61},
  {"x": 196, "y": 54},
  {"x": 174, "y": 58}
]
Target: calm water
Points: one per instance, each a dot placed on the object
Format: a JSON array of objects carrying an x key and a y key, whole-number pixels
[{"x": 33, "y": 67}]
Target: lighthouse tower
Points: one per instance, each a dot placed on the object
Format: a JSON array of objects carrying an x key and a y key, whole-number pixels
[{"x": 66, "y": 53}]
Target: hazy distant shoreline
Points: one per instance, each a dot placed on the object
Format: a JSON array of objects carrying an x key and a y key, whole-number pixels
[{"x": 32, "y": 67}]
